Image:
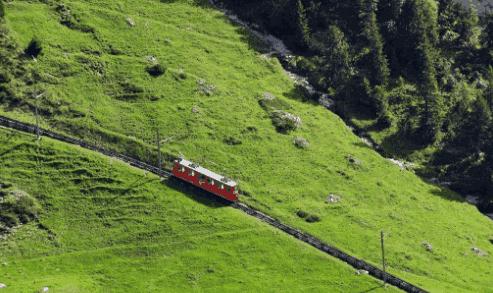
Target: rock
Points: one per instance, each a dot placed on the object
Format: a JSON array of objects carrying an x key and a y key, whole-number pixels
[
  {"x": 478, "y": 251},
  {"x": 402, "y": 164},
  {"x": 427, "y": 246},
  {"x": 268, "y": 96},
  {"x": 151, "y": 59},
  {"x": 301, "y": 143},
  {"x": 474, "y": 200},
  {"x": 285, "y": 121},
  {"x": 333, "y": 198},
  {"x": 195, "y": 109},
  {"x": 362, "y": 272},
  {"x": 205, "y": 88},
  {"x": 326, "y": 102},
  {"x": 130, "y": 21},
  {"x": 353, "y": 161},
  {"x": 3, "y": 286}
]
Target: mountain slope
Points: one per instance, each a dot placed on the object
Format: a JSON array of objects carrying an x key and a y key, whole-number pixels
[
  {"x": 206, "y": 106},
  {"x": 105, "y": 226}
]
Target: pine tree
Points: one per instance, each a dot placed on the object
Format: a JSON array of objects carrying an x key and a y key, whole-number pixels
[
  {"x": 2, "y": 10},
  {"x": 417, "y": 53},
  {"x": 378, "y": 71},
  {"x": 337, "y": 59},
  {"x": 303, "y": 26}
]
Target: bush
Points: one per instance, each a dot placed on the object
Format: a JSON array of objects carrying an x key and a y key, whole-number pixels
[
  {"x": 156, "y": 70},
  {"x": 230, "y": 140},
  {"x": 17, "y": 207},
  {"x": 312, "y": 219},
  {"x": 302, "y": 214},
  {"x": 284, "y": 121},
  {"x": 2, "y": 10},
  {"x": 301, "y": 143},
  {"x": 34, "y": 48}
]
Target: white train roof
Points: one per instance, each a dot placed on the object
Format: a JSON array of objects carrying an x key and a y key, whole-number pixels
[{"x": 208, "y": 173}]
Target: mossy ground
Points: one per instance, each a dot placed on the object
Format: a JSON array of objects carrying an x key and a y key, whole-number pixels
[{"x": 88, "y": 75}]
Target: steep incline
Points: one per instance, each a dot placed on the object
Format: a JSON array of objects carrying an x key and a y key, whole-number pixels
[
  {"x": 107, "y": 226},
  {"x": 206, "y": 107}
]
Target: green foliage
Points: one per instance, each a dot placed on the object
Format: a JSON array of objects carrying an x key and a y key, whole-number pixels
[
  {"x": 2, "y": 10},
  {"x": 131, "y": 220},
  {"x": 303, "y": 28},
  {"x": 16, "y": 207},
  {"x": 156, "y": 70},
  {"x": 34, "y": 48},
  {"x": 130, "y": 231},
  {"x": 374, "y": 62}
]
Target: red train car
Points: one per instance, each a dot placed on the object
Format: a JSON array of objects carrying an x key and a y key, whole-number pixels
[{"x": 206, "y": 179}]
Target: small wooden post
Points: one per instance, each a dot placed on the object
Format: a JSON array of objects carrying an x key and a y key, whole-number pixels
[
  {"x": 159, "y": 160},
  {"x": 36, "y": 112},
  {"x": 383, "y": 257}
]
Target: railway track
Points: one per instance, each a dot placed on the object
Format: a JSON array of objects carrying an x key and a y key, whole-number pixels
[{"x": 302, "y": 236}]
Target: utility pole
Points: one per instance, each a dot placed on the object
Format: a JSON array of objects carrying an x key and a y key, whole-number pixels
[
  {"x": 38, "y": 131},
  {"x": 158, "y": 137},
  {"x": 383, "y": 258}
]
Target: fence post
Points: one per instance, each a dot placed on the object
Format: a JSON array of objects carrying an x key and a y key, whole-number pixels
[{"x": 383, "y": 257}]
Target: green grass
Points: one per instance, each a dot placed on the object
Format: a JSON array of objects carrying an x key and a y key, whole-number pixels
[
  {"x": 280, "y": 178},
  {"x": 107, "y": 227}
]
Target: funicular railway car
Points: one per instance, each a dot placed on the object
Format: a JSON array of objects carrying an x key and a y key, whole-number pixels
[{"x": 206, "y": 179}]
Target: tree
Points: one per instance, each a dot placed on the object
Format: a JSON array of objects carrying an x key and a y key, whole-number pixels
[
  {"x": 337, "y": 66},
  {"x": 303, "y": 27},
  {"x": 417, "y": 53},
  {"x": 34, "y": 48},
  {"x": 375, "y": 61},
  {"x": 2, "y": 10}
]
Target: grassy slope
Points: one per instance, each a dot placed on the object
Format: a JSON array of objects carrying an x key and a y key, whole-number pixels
[
  {"x": 114, "y": 229},
  {"x": 282, "y": 179}
]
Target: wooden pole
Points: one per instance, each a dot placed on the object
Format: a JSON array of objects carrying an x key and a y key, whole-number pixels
[
  {"x": 158, "y": 137},
  {"x": 36, "y": 111},
  {"x": 383, "y": 258}
]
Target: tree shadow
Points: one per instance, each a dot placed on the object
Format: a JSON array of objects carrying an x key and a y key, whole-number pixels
[{"x": 197, "y": 194}]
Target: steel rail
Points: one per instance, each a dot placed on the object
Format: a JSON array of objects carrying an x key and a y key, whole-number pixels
[{"x": 302, "y": 236}]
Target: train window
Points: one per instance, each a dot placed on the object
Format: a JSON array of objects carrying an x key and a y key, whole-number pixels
[
  {"x": 202, "y": 177},
  {"x": 182, "y": 169},
  {"x": 222, "y": 186},
  {"x": 191, "y": 173},
  {"x": 210, "y": 181},
  {"x": 228, "y": 189}
]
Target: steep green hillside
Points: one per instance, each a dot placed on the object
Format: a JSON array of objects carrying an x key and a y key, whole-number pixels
[
  {"x": 206, "y": 106},
  {"x": 106, "y": 227}
]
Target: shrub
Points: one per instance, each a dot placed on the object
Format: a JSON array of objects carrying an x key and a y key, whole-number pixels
[
  {"x": 2, "y": 10},
  {"x": 312, "y": 219},
  {"x": 17, "y": 207},
  {"x": 301, "y": 143},
  {"x": 34, "y": 48},
  {"x": 302, "y": 214},
  {"x": 284, "y": 121},
  {"x": 156, "y": 70},
  {"x": 230, "y": 140}
]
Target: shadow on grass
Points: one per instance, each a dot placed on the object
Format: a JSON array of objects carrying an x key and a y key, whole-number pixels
[{"x": 199, "y": 195}]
